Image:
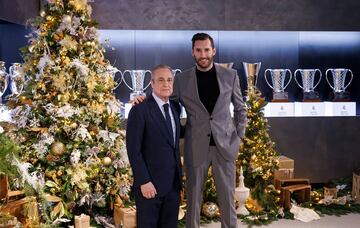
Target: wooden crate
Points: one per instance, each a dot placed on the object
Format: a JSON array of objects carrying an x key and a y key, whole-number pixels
[
  {"x": 289, "y": 186},
  {"x": 356, "y": 187}
]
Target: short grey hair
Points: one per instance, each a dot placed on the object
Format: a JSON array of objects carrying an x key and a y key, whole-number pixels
[{"x": 158, "y": 67}]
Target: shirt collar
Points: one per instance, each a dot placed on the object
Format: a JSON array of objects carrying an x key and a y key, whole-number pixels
[{"x": 159, "y": 101}]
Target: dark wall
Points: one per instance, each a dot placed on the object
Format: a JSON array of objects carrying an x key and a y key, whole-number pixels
[
  {"x": 18, "y": 11},
  {"x": 259, "y": 15},
  {"x": 254, "y": 15}
]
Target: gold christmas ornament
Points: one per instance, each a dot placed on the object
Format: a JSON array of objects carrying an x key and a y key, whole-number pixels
[
  {"x": 74, "y": 125},
  {"x": 57, "y": 148},
  {"x": 106, "y": 161},
  {"x": 210, "y": 210},
  {"x": 67, "y": 19}
]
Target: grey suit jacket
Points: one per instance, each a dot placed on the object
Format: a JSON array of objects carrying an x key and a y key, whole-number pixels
[{"x": 226, "y": 131}]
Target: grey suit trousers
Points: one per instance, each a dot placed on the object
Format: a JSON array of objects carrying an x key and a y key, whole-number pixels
[{"x": 224, "y": 175}]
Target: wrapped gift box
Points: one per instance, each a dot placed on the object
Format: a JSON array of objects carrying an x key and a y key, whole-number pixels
[
  {"x": 124, "y": 217},
  {"x": 82, "y": 221},
  {"x": 286, "y": 168}
]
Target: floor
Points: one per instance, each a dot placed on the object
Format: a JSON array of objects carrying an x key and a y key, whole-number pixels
[{"x": 345, "y": 221}]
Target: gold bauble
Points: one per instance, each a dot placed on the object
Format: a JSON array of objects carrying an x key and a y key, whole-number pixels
[
  {"x": 210, "y": 209},
  {"x": 67, "y": 19},
  {"x": 106, "y": 161},
  {"x": 57, "y": 148},
  {"x": 59, "y": 173},
  {"x": 74, "y": 125}
]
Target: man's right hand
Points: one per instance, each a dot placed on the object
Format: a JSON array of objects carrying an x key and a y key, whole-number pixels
[
  {"x": 137, "y": 100},
  {"x": 148, "y": 190}
]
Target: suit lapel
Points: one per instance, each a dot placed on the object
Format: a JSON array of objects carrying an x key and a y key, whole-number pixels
[
  {"x": 195, "y": 89},
  {"x": 219, "y": 80},
  {"x": 159, "y": 119}
]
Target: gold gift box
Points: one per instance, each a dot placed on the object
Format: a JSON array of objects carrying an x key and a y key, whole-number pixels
[
  {"x": 124, "y": 216},
  {"x": 82, "y": 221}
]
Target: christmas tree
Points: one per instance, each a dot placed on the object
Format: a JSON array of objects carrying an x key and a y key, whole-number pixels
[
  {"x": 67, "y": 120},
  {"x": 259, "y": 160}
]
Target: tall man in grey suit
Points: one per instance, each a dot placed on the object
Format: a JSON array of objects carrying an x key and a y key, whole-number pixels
[{"x": 212, "y": 137}]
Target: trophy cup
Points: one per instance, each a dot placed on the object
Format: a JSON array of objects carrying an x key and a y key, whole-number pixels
[
  {"x": 137, "y": 79},
  {"x": 3, "y": 80},
  {"x": 308, "y": 78},
  {"x": 339, "y": 76},
  {"x": 174, "y": 72},
  {"x": 278, "y": 77},
  {"x": 17, "y": 79},
  {"x": 251, "y": 72}
]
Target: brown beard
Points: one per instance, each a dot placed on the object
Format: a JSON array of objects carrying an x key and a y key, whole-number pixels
[{"x": 200, "y": 65}]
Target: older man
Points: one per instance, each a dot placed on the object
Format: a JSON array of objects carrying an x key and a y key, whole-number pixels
[{"x": 152, "y": 142}]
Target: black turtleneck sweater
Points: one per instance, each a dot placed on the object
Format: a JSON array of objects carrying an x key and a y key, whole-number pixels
[{"x": 208, "y": 90}]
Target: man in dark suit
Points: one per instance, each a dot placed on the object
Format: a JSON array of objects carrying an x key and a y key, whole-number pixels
[{"x": 152, "y": 142}]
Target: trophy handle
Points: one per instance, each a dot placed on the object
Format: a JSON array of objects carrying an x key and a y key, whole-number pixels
[
  {"x": 326, "y": 77},
  {"x": 147, "y": 71},
  {"x": 288, "y": 70},
  {"x": 176, "y": 71},
  {"x": 320, "y": 76},
  {"x": 295, "y": 76},
  {"x": 351, "y": 73},
  {"x": 266, "y": 78},
  {"x": 121, "y": 79},
  {"x": 123, "y": 76}
]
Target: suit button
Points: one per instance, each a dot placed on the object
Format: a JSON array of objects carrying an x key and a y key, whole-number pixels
[
  {"x": 208, "y": 135},
  {"x": 211, "y": 118}
]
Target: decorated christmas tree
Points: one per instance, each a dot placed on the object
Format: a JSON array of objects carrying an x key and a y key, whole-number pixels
[
  {"x": 67, "y": 120},
  {"x": 259, "y": 160}
]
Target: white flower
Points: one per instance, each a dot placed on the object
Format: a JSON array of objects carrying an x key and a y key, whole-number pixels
[
  {"x": 67, "y": 111},
  {"x": 340, "y": 187},
  {"x": 75, "y": 157},
  {"x": 83, "y": 133},
  {"x": 1, "y": 130},
  {"x": 83, "y": 69},
  {"x": 113, "y": 106},
  {"x": 45, "y": 60},
  {"x": 22, "y": 115}
]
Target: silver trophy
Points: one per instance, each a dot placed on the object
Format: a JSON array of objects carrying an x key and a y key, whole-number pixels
[
  {"x": 278, "y": 78},
  {"x": 175, "y": 71},
  {"x": 339, "y": 78},
  {"x": 3, "y": 80},
  {"x": 251, "y": 72},
  {"x": 308, "y": 79},
  {"x": 17, "y": 79},
  {"x": 137, "y": 81}
]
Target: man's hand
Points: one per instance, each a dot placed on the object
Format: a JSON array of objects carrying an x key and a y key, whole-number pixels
[
  {"x": 148, "y": 190},
  {"x": 137, "y": 100}
]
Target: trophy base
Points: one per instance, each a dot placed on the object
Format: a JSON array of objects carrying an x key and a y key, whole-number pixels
[
  {"x": 135, "y": 94},
  {"x": 312, "y": 96},
  {"x": 280, "y": 97},
  {"x": 340, "y": 96}
]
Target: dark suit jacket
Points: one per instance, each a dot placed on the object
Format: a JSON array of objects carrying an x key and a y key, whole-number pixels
[{"x": 151, "y": 150}]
